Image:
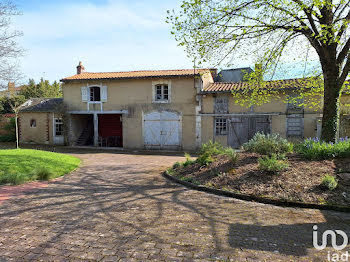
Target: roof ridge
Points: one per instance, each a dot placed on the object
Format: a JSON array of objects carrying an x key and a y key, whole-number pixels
[
  {"x": 247, "y": 82},
  {"x": 134, "y": 71},
  {"x": 241, "y": 82},
  {"x": 136, "y": 74}
]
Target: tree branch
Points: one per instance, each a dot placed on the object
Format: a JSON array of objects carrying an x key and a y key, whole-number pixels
[
  {"x": 344, "y": 52},
  {"x": 345, "y": 73},
  {"x": 343, "y": 26}
]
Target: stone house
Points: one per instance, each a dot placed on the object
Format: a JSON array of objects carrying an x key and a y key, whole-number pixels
[
  {"x": 41, "y": 121},
  {"x": 11, "y": 90},
  {"x": 162, "y": 109}
]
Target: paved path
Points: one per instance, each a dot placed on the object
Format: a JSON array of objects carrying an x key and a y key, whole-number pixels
[{"x": 118, "y": 208}]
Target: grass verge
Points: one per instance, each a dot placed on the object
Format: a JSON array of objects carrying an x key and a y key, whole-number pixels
[{"x": 18, "y": 166}]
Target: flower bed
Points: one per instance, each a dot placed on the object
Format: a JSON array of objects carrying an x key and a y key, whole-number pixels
[{"x": 290, "y": 177}]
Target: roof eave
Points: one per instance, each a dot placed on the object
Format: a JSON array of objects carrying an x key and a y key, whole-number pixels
[
  {"x": 240, "y": 90},
  {"x": 38, "y": 111},
  {"x": 127, "y": 78}
]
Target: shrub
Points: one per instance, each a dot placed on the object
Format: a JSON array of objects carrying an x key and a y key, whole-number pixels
[
  {"x": 272, "y": 164},
  {"x": 207, "y": 152},
  {"x": 176, "y": 165},
  {"x": 314, "y": 149},
  {"x": 12, "y": 178},
  {"x": 11, "y": 126},
  {"x": 8, "y": 138},
  {"x": 330, "y": 182},
  {"x": 188, "y": 161},
  {"x": 231, "y": 153},
  {"x": 268, "y": 144},
  {"x": 170, "y": 171},
  {"x": 41, "y": 173},
  {"x": 10, "y": 129},
  {"x": 187, "y": 179},
  {"x": 212, "y": 149},
  {"x": 204, "y": 159}
]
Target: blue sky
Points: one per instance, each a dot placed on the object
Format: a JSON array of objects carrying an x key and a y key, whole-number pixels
[{"x": 106, "y": 35}]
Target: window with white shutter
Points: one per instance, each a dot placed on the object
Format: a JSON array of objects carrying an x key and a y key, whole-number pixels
[
  {"x": 104, "y": 94},
  {"x": 84, "y": 93}
]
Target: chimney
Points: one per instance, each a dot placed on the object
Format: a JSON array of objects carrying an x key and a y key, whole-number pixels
[
  {"x": 80, "y": 68},
  {"x": 11, "y": 87}
]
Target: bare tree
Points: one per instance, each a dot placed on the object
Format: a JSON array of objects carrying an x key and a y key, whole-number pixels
[
  {"x": 15, "y": 106},
  {"x": 10, "y": 51}
]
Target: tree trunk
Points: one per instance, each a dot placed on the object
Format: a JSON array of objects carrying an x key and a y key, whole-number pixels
[
  {"x": 330, "y": 120},
  {"x": 17, "y": 138}
]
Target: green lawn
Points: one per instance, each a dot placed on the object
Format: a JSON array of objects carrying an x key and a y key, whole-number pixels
[{"x": 22, "y": 165}]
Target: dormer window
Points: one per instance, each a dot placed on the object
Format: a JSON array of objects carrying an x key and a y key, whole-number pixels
[
  {"x": 162, "y": 93},
  {"x": 95, "y": 94}
]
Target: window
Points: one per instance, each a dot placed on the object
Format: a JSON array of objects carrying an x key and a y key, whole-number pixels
[
  {"x": 58, "y": 127},
  {"x": 95, "y": 94},
  {"x": 32, "y": 123},
  {"x": 295, "y": 103},
  {"x": 221, "y": 105},
  {"x": 162, "y": 93},
  {"x": 221, "y": 126}
]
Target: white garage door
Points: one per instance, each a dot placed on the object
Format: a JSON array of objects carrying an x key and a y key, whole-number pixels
[{"x": 162, "y": 130}]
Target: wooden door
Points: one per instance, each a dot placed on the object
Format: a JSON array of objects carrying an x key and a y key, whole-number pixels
[
  {"x": 162, "y": 130},
  {"x": 238, "y": 131},
  {"x": 242, "y": 129},
  {"x": 262, "y": 125},
  {"x": 295, "y": 126}
]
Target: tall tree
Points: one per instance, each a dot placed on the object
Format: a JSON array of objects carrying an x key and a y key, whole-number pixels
[
  {"x": 8, "y": 102},
  {"x": 42, "y": 89},
  {"x": 221, "y": 28},
  {"x": 15, "y": 106}
]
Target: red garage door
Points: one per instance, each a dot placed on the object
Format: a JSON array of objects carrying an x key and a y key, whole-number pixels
[{"x": 110, "y": 130}]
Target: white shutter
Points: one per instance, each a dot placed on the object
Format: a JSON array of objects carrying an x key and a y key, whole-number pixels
[
  {"x": 104, "y": 94},
  {"x": 84, "y": 93}
]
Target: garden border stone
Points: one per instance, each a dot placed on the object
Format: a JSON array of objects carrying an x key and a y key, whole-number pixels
[{"x": 264, "y": 200}]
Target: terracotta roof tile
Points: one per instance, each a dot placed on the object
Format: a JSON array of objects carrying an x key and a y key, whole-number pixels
[
  {"x": 237, "y": 86},
  {"x": 134, "y": 74}
]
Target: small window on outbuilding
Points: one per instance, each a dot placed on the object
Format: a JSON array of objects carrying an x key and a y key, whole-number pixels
[
  {"x": 32, "y": 123},
  {"x": 162, "y": 93},
  {"x": 221, "y": 105},
  {"x": 295, "y": 103},
  {"x": 95, "y": 94},
  {"x": 58, "y": 127},
  {"x": 220, "y": 126}
]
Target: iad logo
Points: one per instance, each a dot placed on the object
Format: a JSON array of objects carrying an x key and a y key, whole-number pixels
[
  {"x": 333, "y": 235},
  {"x": 344, "y": 256}
]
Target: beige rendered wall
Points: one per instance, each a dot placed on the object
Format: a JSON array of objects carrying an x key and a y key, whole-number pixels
[
  {"x": 207, "y": 129},
  {"x": 278, "y": 122},
  {"x": 136, "y": 96},
  {"x": 42, "y": 133}
]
